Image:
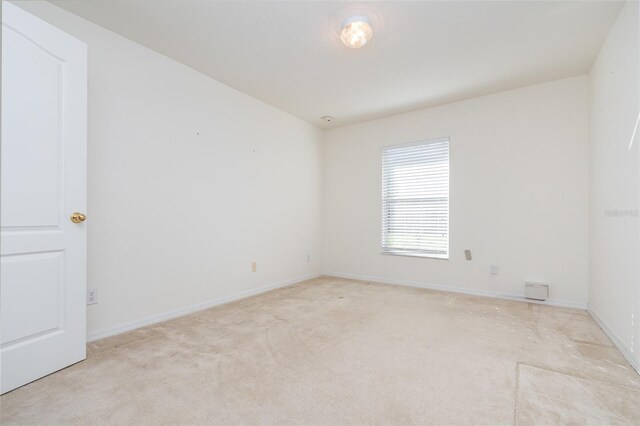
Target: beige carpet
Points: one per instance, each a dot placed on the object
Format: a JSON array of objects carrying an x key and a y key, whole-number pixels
[{"x": 334, "y": 351}]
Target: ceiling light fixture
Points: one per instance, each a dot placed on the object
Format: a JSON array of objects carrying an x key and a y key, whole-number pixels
[{"x": 356, "y": 32}]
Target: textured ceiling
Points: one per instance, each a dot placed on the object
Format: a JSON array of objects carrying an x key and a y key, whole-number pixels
[{"x": 289, "y": 54}]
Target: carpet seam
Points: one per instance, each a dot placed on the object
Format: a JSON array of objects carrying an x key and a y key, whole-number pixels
[
  {"x": 602, "y": 382},
  {"x": 585, "y": 342}
]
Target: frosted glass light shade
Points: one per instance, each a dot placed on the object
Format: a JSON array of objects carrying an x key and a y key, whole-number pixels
[{"x": 356, "y": 32}]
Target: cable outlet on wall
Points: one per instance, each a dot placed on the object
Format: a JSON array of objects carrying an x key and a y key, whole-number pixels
[
  {"x": 494, "y": 269},
  {"x": 92, "y": 296},
  {"x": 254, "y": 266}
]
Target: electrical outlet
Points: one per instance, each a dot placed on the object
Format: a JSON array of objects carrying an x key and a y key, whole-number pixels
[
  {"x": 92, "y": 296},
  {"x": 308, "y": 258},
  {"x": 494, "y": 269},
  {"x": 254, "y": 267}
]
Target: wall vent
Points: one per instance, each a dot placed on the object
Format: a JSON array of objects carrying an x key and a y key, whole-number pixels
[{"x": 536, "y": 291}]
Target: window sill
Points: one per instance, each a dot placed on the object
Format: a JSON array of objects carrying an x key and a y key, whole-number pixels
[{"x": 423, "y": 255}]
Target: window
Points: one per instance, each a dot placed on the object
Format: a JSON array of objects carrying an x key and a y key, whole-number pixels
[{"x": 415, "y": 199}]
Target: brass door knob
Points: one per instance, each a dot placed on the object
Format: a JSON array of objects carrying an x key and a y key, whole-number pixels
[{"x": 78, "y": 217}]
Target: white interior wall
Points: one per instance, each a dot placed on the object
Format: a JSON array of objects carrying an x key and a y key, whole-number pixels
[
  {"x": 614, "y": 279},
  {"x": 189, "y": 181},
  {"x": 518, "y": 193}
]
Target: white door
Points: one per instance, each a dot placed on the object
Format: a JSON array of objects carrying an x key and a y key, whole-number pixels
[{"x": 43, "y": 182}]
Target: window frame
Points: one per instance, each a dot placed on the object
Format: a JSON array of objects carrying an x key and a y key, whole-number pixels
[{"x": 415, "y": 253}]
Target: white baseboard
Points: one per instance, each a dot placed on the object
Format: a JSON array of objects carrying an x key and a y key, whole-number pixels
[
  {"x": 154, "y": 319},
  {"x": 633, "y": 359},
  {"x": 463, "y": 290}
]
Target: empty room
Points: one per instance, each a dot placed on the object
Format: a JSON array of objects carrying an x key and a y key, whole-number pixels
[{"x": 320, "y": 212}]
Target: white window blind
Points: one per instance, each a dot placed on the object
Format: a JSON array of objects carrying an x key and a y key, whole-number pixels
[{"x": 415, "y": 199}]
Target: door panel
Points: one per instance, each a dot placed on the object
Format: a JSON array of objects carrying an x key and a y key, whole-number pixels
[
  {"x": 33, "y": 81},
  {"x": 43, "y": 254},
  {"x": 37, "y": 278}
]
